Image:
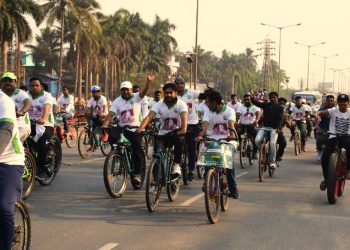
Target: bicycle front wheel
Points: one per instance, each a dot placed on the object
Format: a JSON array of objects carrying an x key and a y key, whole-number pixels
[
  {"x": 72, "y": 137},
  {"x": 51, "y": 164},
  {"x": 297, "y": 147},
  {"x": 22, "y": 236},
  {"x": 28, "y": 178},
  {"x": 115, "y": 175},
  {"x": 212, "y": 196},
  {"x": 224, "y": 192},
  {"x": 262, "y": 161},
  {"x": 243, "y": 153},
  {"x": 153, "y": 185},
  {"x": 86, "y": 144},
  {"x": 105, "y": 148},
  {"x": 332, "y": 182}
]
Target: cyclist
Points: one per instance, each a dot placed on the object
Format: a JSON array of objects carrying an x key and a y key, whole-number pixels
[
  {"x": 299, "y": 113},
  {"x": 144, "y": 102},
  {"x": 308, "y": 107},
  {"x": 22, "y": 103},
  {"x": 189, "y": 96},
  {"x": 41, "y": 113},
  {"x": 339, "y": 125},
  {"x": 128, "y": 107},
  {"x": 322, "y": 126},
  {"x": 96, "y": 109},
  {"x": 156, "y": 98},
  {"x": 248, "y": 116},
  {"x": 173, "y": 114},
  {"x": 234, "y": 103},
  {"x": 271, "y": 121},
  {"x": 11, "y": 169},
  {"x": 281, "y": 140},
  {"x": 216, "y": 124},
  {"x": 156, "y": 120},
  {"x": 66, "y": 103}
]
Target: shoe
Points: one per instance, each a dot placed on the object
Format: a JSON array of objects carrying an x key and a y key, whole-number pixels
[
  {"x": 278, "y": 158},
  {"x": 235, "y": 194},
  {"x": 323, "y": 185},
  {"x": 303, "y": 148},
  {"x": 319, "y": 156},
  {"x": 348, "y": 175},
  {"x": 136, "y": 180},
  {"x": 176, "y": 171},
  {"x": 291, "y": 138},
  {"x": 255, "y": 156},
  {"x": 104, "y": 137},
  {"x": 191, "y": 176},
  {"x": 273, "y": 165}
]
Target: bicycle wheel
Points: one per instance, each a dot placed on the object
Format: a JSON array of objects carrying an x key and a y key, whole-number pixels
[
  {"x": 243, "y": 153},
  {"x": 153, "y": 185},
  {"x": 296, "y": 143},
  {"x": 173, "y": 186},
  {"x": 143, "y": 175},
  {"x": 212, "y": 196},
  {"x": 262, "y": 161},
  {"x": 250, "y": 153},
  {"x": 86, "y": 144},
  {"x": 22, "y": 236},
  {"x": 145, "y": 146},
  {"x": 115, "y": 175},
  {"x": 49, "y": 171},
  {"x": 28, "y": 177},
  {"x": 200, "y": 171},
  {"x": 72, "y": 137},
  {"x": 224, "y": 192},
  {"x": 332, "y": 182},
  {"x": 56, "y": 142},
  {"x": 271, "y": 171},
  {"x": 184, "y": 168},
  {"x": 105, "y": 148}
]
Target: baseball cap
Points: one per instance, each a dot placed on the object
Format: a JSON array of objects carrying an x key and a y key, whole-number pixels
[
  {"x": 9, "y": 75},
  {"x": 343, "y": 98},
  {"x": 126, "y": 85}
]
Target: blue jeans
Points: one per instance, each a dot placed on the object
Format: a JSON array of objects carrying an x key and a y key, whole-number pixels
[
  {"x": 10, "y": 192},
  {"x": 272, "y": 141}
]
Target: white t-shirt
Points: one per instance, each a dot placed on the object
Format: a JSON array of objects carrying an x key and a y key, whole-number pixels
[
  {"x": 234, "y": 106},
  {"x": 169, "y": 117},
  {"x": 66, "y": 103},
  {"x": 152, "y": 102},
  {"x": 97, "y": 106},
  {"x": 189, "y": 97},
  {"x": 298, "y": 114},
  {"x": 218, "y": 123},
  {"x": 202, "y": 108},
  {"x": 248, "y": 114},
  {"x": 339, "y": 122},
  {"x": 37, "y": 108},
  {"x": 14, "y": 152},
  {"x": 144, "y": 106},
  {"x": 18, "y": 98},
  {"x": 128, "y": 111}
]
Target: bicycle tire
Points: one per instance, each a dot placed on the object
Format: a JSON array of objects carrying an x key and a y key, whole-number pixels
[
  {"x": 184, "y": 168},
  {"x": 56, "y": 142},
  {"x": 105, "y": 148},
  {"x": 143, "y": 175},
  {"x": 271, "y": 171},
  {"x": 243, "y": 152},
  {"x": 85, "y": 140},
  {"x": 173, "y": 186},
  {"x": 332, "y": 182},
  {"x": 111, "y": 174},
  {"x": 250, "y": 153},
  {"x": 50, "y": 165},
  {"x": 72, "y": 136},
  {"x": 296, "y": 143},
  {"x": 200, "y": 171},
  {"x": 262, "y": 161},
  {"x": 30, "y": 169},
  {"x": 212, "y": 196},
  {"x": 153, "y": 185},
  {"x": 22, "y": 237},
  {"x": 224, "y": 192}
]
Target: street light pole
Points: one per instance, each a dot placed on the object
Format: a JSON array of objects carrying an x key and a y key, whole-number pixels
[
  {"x": 196, "y": 48},
  {"x": 324, "y": 67},
  {"x": 279, "y": 50},
  {"x": 308, "y": 59}
]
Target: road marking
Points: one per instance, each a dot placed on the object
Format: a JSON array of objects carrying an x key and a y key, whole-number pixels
[
  {"x": 109, "y": 246},
  {"x": 200, "y": 195},
  {"x": 96, "y": 159}
]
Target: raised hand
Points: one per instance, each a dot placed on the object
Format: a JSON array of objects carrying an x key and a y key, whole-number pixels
[{"x": 151, "y": 76}]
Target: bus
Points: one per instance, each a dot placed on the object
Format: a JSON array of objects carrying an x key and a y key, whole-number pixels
[{"x": 314, "y": 97}]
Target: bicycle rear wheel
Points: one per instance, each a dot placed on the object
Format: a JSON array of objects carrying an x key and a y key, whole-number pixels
[
  {"x": 72, "y": 137},
  {"x": 332, "y": 182},
  {"x": 50, "y": 168},
  {"x": 28, "y": 178},
  {"x": 115, "y": 175},
  {"x": 212, "y": 196},
  {"x": 153, "y": 185},
  {"x": 22, "y": 236},
  {"x": 86, "y": 144}
]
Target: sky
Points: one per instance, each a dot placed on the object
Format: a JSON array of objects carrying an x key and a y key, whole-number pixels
[{"x": 234, "y": 25}]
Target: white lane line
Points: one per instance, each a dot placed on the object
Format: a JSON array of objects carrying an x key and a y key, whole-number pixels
[
  {"x": 198, "y": 196},
  {"x": 96, "y": 159},
  {"x": 109, "y": 246}
]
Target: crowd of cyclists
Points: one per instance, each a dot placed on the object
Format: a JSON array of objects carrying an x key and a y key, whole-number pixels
[{"x": 186, "y": 117}]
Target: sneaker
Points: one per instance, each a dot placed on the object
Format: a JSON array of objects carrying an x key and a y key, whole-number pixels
[
  {"x": 319, "y": 156},
  {"x": 323, "y": 185},
  {"x": 235, "y": 194},
  {"x": 176, "y": 171},
  {"x": 278, "y": 158},
  {"x": 255, "y": 156},
  {"x": 303, "y": 148},
  {"x": 291, "y": 138},
  {"x": 136, "y": 179},
  {"x": 273, "y": 165},
  {"x": 191, "y": 176}
]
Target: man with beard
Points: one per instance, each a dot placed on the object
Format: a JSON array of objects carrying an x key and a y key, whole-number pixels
[
  {"x": 128, "y": 107},
  {"x": 22, "y": 103},
  {"x": 173, "y": 114}
]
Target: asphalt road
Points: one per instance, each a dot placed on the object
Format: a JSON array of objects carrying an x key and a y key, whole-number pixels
[{"x": 287, "y": 211}]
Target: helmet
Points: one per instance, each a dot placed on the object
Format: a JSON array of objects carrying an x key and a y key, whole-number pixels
[
  {"x": 95, "y": 88},
  {"x": 179, "y": 79}
]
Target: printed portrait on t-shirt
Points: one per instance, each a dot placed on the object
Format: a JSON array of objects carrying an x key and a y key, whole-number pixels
[
  {"x": 220, "y": 128},
  {"x": 170, "y": 124},
  {"x": 35, "y": 111},
  {"x": 97, "y": 110},
  {"x": 127, "y": 116},
  {"x": 189, "y": 105}
]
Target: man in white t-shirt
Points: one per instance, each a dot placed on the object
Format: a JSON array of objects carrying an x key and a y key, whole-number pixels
[
  {"x": 248, "y": 116},
  {"x": 339, "y": 125},
  {"x": 66, "y": 103},
  {"x": 22, "y": 103},
  {"x": 128, "y": 108},
  {"x": 189, "y": 96},
  {"x": 216, "y": 125},
  {"x": 299, "y": 113},
  {"x": 11, "y": 169},
  {"x": 173, "y": 114},
  {"x": 234, "y": 103}
]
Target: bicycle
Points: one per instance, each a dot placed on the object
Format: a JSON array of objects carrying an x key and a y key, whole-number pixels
[
  {"x": 73, "y": 128},
  {"x": 87, "y": 144},
  {"x": 246, "y": 149},
  {"x": 29, "y": 172},
  {"x": 159, "y": 175},
  {"x": 297, "y": 139},
  {"x": 118, "y": 164},
  {"x": 22, "y": 237},
  {"x": 337, "y": 173},
  {"x": 264, "y": 157}
]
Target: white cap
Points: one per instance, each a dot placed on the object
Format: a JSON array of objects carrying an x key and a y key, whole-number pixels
[{"x": 126, "y": 84}]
